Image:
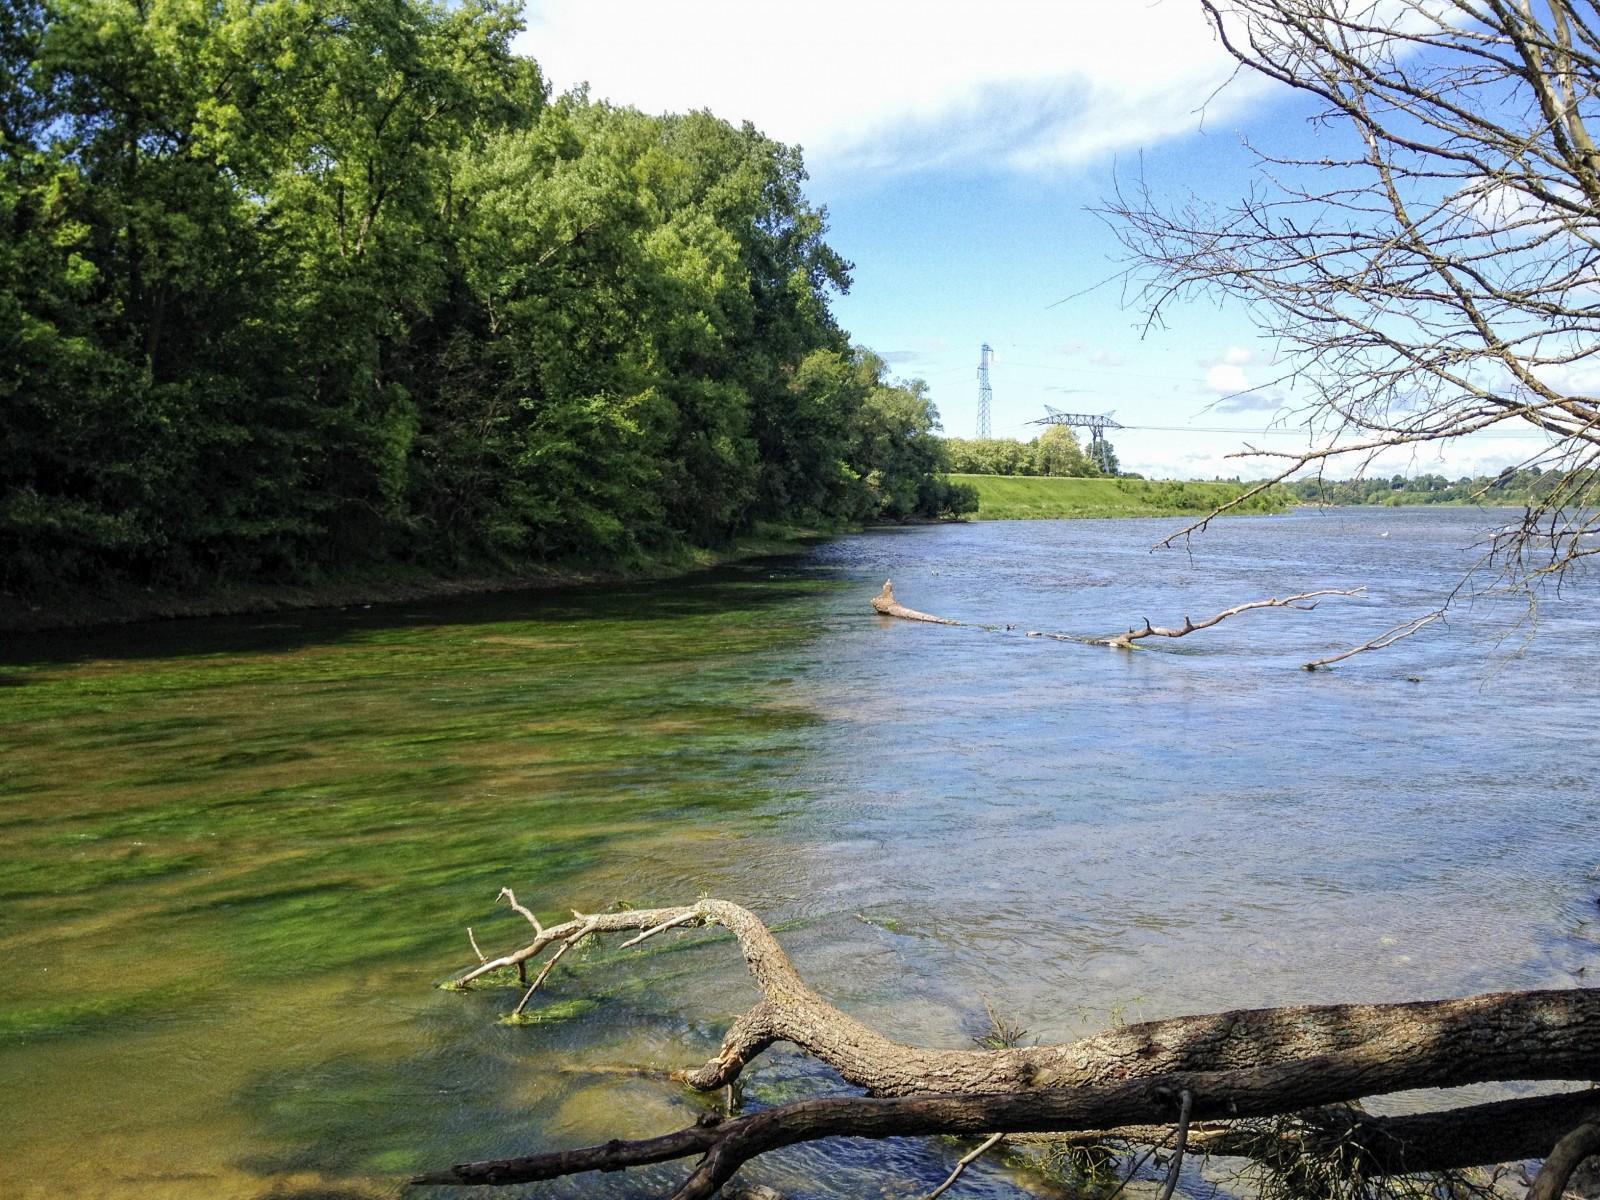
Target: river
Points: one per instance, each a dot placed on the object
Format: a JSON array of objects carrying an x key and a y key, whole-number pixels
[{"x": 237, "y": 856}]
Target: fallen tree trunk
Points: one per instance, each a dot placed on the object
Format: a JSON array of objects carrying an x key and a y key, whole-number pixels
[
  {"x": 726, "y": 1145},
  {"x": 1248, "y": 1063}
]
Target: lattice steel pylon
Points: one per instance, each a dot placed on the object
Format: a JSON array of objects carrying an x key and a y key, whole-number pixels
[
  {"x": 1095, "y": 423},
  {"x": 985, "y": 392}
]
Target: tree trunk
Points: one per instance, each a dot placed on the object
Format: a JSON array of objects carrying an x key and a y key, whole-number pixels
[{"x": 1247, "y": 1063}]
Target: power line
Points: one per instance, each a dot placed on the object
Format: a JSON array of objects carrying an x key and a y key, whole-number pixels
[
  {"x": 1300, "y": 433},
  {"x": 1067, "y": 369},
  {"x": 1247, "y": 431}
]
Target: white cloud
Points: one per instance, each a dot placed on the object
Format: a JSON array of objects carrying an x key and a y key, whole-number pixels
[
  {"x": 903, "y": 84},
  {"x": 1226, "y": 378},
  {"x": 1576, "y": 379}
]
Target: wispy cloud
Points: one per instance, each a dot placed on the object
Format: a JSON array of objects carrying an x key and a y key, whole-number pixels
[
  {"x": 894, "y": 85},
  {"x": 1250, "y": 402}
]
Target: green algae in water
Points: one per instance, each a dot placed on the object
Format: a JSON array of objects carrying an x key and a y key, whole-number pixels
[
  {"x": 553, "y": 1013},
  {"x": 236, "y": 858}
]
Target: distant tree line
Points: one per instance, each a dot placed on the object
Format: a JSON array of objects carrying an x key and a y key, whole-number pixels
[
  {"x": 1513, "y": 486},
  {"x": 1056, "y": 451},
  {"x": 289, "y": 286}
]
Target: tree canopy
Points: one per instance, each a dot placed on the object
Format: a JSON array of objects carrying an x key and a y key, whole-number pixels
[
  {"x": 287, "y": 287},
  {"x": 1056, "y": 451}
]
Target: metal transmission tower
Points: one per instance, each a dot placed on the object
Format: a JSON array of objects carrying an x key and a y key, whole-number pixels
[
  {"x": 1095, "y": 423},
  {"x": 985, "y": 392}
]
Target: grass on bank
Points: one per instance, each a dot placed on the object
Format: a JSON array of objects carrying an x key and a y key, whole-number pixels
[{"x": 1038, "y": 497}]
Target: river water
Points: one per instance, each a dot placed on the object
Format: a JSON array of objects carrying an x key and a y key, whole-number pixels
[{"x": 236, "y": 856}]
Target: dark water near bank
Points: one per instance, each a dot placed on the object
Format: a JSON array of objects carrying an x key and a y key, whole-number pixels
[{"x": 236, "y": 856}]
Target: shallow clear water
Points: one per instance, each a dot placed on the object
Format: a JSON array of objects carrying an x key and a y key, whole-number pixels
[{"x": 236, "y": 856}]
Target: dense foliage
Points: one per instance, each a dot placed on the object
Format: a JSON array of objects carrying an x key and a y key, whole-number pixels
[
  {"x": 1530, "y": 486},
  {"x": 288, "y": 287},
  {"x": 1054, "y": 452}
]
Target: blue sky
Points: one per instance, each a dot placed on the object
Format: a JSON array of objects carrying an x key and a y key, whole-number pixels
[{"x": 959, "y": 149}]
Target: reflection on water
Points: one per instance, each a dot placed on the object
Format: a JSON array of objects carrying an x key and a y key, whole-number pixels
[{"x": 236, "y": 856}]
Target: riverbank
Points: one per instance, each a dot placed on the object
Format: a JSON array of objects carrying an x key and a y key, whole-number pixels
[
  {"x": 1000, "y": 498},
  {"x": 389, "y": 584},
  {"x": 1037, "y": 497}
]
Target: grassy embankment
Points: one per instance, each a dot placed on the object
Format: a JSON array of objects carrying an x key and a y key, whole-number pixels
[{"x": 1036, "y": 497}]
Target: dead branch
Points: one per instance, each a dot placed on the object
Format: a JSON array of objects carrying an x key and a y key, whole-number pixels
[
  {"x": 726, "y": 1145},
  {"x": 967, "y": 1159},
  {"x": 1124, "y": 641},
  {"x": 510, "y": 898},
  {"x": 567, "y": 943},
  {"x": 1569, "y": 1153},
  {"x": 1428, "y": 279},
  {"x": 885, "y": 603},
  {"x": 1176, "y": 1165},
  {"x": 1500, "y": 1131},
  {"x": 1388, "y": 638},
  {"x": 1235, "y": 1065}
]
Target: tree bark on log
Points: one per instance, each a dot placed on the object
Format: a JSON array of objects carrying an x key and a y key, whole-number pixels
[{"x": 1239, "y": 1064}]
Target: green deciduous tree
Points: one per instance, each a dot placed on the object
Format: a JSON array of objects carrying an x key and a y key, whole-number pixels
[{"x": 288, "y": 287}]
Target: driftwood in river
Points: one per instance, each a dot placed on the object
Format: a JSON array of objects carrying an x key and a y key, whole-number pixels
[
  {"x": 1226, "y": 1071},
  {"x": 885, "y": 603}
]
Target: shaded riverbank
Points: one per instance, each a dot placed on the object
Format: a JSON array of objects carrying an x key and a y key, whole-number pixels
[{"x": 81, "y": 609}]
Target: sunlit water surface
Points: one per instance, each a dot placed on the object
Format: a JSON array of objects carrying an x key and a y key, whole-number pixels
[{"x": 237, "y": 856}]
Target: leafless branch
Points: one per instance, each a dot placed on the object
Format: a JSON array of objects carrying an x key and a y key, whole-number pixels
[
  {"x": 966, "y": 1160},
  {"x": 1388, "y": 638},
  {"x": 510, "y": 898},
  {"x": 1176, "y": 1165},
  {"x": 1568, "y": 1155},
  {"x": 1125, "y": 640},
  {"x": 1432, "y": 276}
]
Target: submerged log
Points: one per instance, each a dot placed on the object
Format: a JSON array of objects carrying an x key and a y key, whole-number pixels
[{"x": 1246, "y": 1063}]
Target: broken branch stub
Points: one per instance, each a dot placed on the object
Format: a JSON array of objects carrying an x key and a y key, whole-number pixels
[{"x": 1239, "y": 1064}]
